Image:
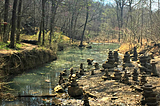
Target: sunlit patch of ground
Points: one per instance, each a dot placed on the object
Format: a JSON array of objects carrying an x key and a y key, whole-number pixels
[
  {"x": 24, "y": 46},
  {"x": 108, "y": 92}
]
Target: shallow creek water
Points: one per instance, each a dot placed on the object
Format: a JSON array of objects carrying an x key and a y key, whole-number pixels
[{"x": 42, "y": 80}]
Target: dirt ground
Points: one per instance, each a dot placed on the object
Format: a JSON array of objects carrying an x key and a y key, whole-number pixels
[
  {"x": 111, "y": 92},
  {"x": 114, "y": 93}
]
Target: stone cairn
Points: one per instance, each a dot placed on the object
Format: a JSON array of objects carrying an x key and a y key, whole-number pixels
[
  {"x": 117, "y": 75},
  {"x": 135, "y": 75},
  {"x": 125, "y": 78},
  {"x": 135, "y": 55},
  {"x": 106, "y": 75},
  {"x": 126, "y": 61},
  {"x": 73, "y": 81},
  {"x": 96, "y": 65},
  {"x": 77, "y": 74},
  {"x": 81, "y": 66},
  {"x": 71, "y": 73},
  {"x": 115, "y": 54},
  {"x": 81, "y": 69},
  {"x": 111, "y": 59},
  {"x": 64, "y": 73},
  {"x": 74, "y": 90},
  {"x": 89, "y": 61},
  {"x": 85, "y": 99},
  {"x": 144, "y": 65},
  {"x": 108, "y": 66},
  {"x": 143, "y": 79},
  {"x": 92, "y": 72},
  {"x": 126, "y": 58},
  {"x": 110, "y": 63},
  {"x": 149, "y": 96},
  {"x": 154, "y": 70},
  {"x": 61, "y": 80}
]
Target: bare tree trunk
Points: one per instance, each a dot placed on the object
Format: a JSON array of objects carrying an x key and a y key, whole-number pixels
[
  {"x": 71, "y": 27},
  {"x": 1, "y": 37},
  {"x": 52, "y": 24},
  {"x": 13, "y": 29},
  {"x": 142, "y": 23},
  {"x": 47, "y": 16},
  {"x": 5, "y": 34},
  {"x": 75, "y": 23},
  {"x": 19, "y": 21},
  {"x": 87, "y": 13},
  {"x": 34, "y": 13},
  {"x": 40, "y": 31},
  {"x": 151, "y": 16},
  {"x": 130, "y": 12},
  {"x": 73, "y": 18},
  {"x": 43, "y": 16},
  {"x": 158, "y": 7},
  {"x": 121, "y": 8},
  {"x": 120, "y": 5},
  {"x": 119, "y": 35}
]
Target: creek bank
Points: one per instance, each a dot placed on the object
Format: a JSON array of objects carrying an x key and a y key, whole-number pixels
[{"x": 17, "y": 62}]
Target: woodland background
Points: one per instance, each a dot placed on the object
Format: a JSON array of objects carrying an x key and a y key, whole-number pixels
[{"x": 124, "y": 20}]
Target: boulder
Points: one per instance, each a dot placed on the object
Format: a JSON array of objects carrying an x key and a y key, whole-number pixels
[{"x": 75, "y": 91}]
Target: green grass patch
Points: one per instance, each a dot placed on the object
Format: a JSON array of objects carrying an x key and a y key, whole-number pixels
[
  {"x": 4, "y": 46},
  {"x": 18, "y": 45}
]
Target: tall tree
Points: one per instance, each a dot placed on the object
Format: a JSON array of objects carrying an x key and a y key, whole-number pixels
[
  {"x": 1, "y": 12},
  {"x": 120, "y": 6},
  {"x": 142, "y": 21},
  {"x": 43, "y": 17},
  {"x": 52, "y": 20},
  {"x": 13, "y": 28},
  {"x": 19, "y": 21},
  {"x": 150, "y": 16},
  {"x": 54, "y": 7},
  {"x": 158, "y": 6},
  {"x": 85, "y": 24},
  {"x": 74, "y": 8},
  {"x": 40, "y": 32},
  {"x": 5, "y": 34}
]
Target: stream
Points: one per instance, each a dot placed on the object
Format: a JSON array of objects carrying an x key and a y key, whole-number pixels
[{"x": 42, "y": 80}]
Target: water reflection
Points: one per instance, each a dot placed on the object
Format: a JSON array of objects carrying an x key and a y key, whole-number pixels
[{"x": 42, "y": 80}]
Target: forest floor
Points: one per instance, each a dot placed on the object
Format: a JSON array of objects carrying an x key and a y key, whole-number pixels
[{"x": 112, "y": 92}]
